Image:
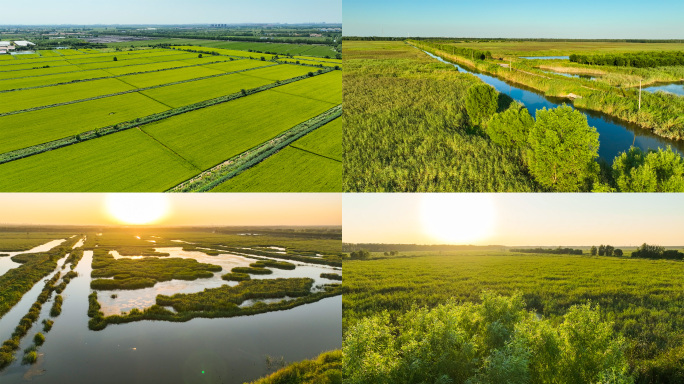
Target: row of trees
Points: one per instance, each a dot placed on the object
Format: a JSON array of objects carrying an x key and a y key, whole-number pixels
[
  {"x": 605, "y": 250},
  {"x": 556, "y": 251},
  {"x": 657, "y": 252},
  {"x": 360, "y": 255},
  {"x": 475, "y": 54},
  {"x": 636, "y": 59}
]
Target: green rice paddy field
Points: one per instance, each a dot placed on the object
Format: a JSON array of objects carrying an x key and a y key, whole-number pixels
[
  {"x": 296, "y": 163},
  {"x": 154, "y": 118}
]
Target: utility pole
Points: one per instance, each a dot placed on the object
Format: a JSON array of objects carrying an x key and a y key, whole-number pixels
[
  {"x": 640, "y": 95},
  {"x": 510, "y": 64}
]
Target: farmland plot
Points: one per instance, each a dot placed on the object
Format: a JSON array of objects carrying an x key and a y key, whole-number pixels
[
  {"x": 233, "y": 127},
  {"x": 124, "y": 161}
]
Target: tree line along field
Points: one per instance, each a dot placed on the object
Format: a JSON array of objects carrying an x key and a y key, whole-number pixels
[
  {"x": 637, "y": 299},
  {"x": 149, "y": 119}
]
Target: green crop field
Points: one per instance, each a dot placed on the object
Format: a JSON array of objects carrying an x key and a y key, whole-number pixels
[
  {"x": 235, "y": 126},
  {"x": 31, "y": 98},
  {"x": 642, "y": 298},
  {"x": 188, "y": 93},
  {"x": 37, "y": 81},
  {"x": 163, "y": 77},
  {"x": 174, "y": 127},
  {"x": 290, "y": 170},
  {"x": 124, "y": 161},
  {"x": 280, "y": 72},
  {"x": 326, "y": 88},
  {"x": 325, "y": 141},
  {"x": 30, "y": 128},
  {"x": 236, "y": 65}
]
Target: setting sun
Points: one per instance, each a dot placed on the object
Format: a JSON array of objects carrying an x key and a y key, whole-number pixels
[
  {"x": 463, "y": 220},
  {"x": 137, "y": 208}
]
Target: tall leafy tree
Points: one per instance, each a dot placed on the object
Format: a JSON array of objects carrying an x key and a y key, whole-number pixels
[
  {"x": 511, "y": 127},
  {"x": 563, "y": 150},
  {"x": 481, "y": 103}
]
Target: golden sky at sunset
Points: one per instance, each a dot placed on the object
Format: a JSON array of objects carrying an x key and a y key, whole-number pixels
[
  {"x": 179, "y": 210},
  {"x": 514, "y": 219}
]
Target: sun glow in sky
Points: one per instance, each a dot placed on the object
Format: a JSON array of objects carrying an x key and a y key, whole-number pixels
[
  {"x": 514, "y": 219},
  {"x": 183, "y": 209},
  {"x": 465, "y": 220},
  {"x": 137, "y": 208}
]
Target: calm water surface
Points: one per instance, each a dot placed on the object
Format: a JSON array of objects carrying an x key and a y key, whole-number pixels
[{"x": 230, "y": 350}]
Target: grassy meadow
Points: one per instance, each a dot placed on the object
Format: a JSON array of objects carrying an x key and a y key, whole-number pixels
[
  {"x": 406, "y": 129},
  {"x": 641, "y": 299}
]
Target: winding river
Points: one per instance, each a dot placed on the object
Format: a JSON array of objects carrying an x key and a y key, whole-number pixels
[{"x": 615, "y": 136}]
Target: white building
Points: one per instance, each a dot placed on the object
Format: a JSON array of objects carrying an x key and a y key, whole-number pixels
[
  {"x": 4, "y": 43},
  {"x": 23, "y": 43}
]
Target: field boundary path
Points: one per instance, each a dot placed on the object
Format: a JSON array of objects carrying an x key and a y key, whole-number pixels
[{"x": 232, "y": 167}]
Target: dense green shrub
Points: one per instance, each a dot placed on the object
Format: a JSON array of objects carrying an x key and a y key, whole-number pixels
[
  {"x": 331, "y": 276},
  {"x": 30, "y": 357},
  {"x": 273, "y": 264},
  {"x": 511, "y": 128},
  {"x": 234, "y": 276},
  {"x": 326, "y": 369},
  {"x": 252, "y": 270},
  {"x": 39, "y": 339},
  {"x": 481, "y": 103},
  {"x": 497, "y": 341},
  {"x": 56, "y": 309},
  {"x": 633, "y": 59},
  {"x": 661, "y": 171},
  {"x": 47, "y": 325},
  {"x": 563, "y": 150}
]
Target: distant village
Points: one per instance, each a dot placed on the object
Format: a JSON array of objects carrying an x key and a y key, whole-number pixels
[{"x": 11, "y": 46}]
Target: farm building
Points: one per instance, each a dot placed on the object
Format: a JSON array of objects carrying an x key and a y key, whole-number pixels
[
  {"x": 23, "y": 43},
  {"x": 4, "y": 44}
]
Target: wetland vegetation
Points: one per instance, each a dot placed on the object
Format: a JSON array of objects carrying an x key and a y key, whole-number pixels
[
  {"x": 502, "y": 312},
  {"x": 462, "y": 135}
]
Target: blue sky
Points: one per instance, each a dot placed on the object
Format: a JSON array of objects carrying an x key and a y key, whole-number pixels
[
  {"x": 499, "y": 18},
  {"x": 173, "y": 12}
]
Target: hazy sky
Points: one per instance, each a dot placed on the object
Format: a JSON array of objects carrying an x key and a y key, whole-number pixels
[
  {"x": 520, "y": 219},
  {"x": 172, "y": 12},
  {"x": 504, "y": 18},
  {"x": 184, "y": 209}
]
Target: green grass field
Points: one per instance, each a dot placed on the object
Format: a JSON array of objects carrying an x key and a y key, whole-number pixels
[
  {"x": 643, "y": 298},
  {"x": 124, "y": 161}
]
